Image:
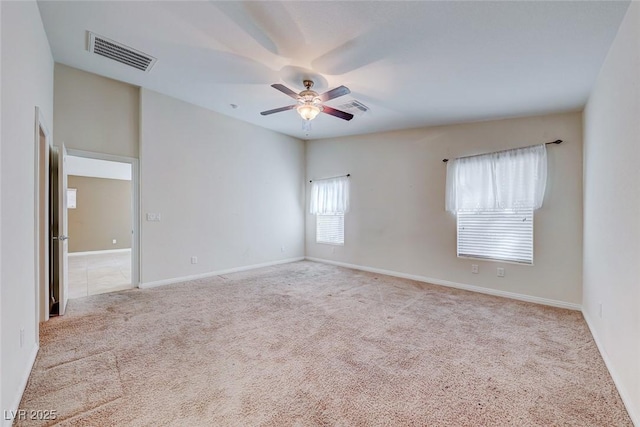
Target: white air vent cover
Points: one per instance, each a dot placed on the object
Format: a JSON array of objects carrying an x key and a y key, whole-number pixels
[
  {"x": 118, "y": 52},
  {"x": 354, "y": 107}
]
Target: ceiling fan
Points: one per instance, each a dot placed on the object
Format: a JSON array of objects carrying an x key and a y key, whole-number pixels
[{"x": 309, "y": 103}]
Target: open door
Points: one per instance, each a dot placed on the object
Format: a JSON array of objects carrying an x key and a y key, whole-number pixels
[{"x": 59, "y": 232}]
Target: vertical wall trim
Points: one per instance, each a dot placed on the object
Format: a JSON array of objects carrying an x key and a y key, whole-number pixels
[
  {"x": 40, "y": 124},
  {"x": 1, "y": 58}
]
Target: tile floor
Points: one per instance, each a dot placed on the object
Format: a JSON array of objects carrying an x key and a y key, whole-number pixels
[{"x": 91, "y": 274}]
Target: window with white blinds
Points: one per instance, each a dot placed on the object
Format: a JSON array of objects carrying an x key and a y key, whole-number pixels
[
  {"x": 330, "y": 228},
  {"x": 501, "y": 234}
]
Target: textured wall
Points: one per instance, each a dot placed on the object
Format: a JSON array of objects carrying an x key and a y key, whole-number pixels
[
  {"x": 612, "y": 210},
  {"x": 103, "y": 213},
  {"x": 27, "y": 82},
  {"x": 398, "y": 222},
  {"x": 228, "y": 192},
  {"x": 94, "y": 113}
]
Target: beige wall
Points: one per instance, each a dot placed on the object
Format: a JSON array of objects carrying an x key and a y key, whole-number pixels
[
  {"x": 228, "y": 192},
  {"x": 612, "y": 211},
  {"x": 27, "y": 82},
  {"x": 398, "y": 222},
  {"x": 103, "y": 213},
  {"x": 94, "y": 113}
]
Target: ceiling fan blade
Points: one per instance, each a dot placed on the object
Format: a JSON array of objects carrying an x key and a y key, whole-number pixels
[
  {"x": 334, "y": 93},
  {"x": 285, "y": 90},
  {"x": 337, "y": 113},
  {"x": 277, "y": 110}
]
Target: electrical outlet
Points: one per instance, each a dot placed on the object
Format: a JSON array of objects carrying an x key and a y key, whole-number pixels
[
  {"x": 194, "y": 260},
  {"x": 281, "y": 248},
  {"x": 500, "y": 272},
  {"x": 153, "y": 217},
  {"x": 114, "y": 241},
  {"x": 21, "y": 337},
  {"x": 474, "y": 268},
  {"x": 333, "y": 250}
]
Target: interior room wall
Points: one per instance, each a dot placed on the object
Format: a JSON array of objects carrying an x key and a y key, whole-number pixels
[
  {"x": 229, "y": 193},
  {"x": 1, "y": 57},
  {"x": 611, "y": 302},
  {"x": 27, "y": 82},
  {"x": 102, "y": 214},
  {"x": 398, "y": 222},
  {"x": 94, "y": 113}
]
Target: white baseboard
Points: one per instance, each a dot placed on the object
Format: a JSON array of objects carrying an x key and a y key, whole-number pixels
[
  {"x": 472, "y": 288},
  {"x": 108, "y": 251},
  {"x": 216, "y": 273},
  {"x": 633, "y": 412},
  {"x": 23, "y": 385}
]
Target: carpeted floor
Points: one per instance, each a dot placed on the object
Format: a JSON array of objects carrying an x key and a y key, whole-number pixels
[{"x": 308, "y": 344}]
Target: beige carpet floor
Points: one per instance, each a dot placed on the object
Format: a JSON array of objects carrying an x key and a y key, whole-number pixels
[{"x": 308, "y": 344}]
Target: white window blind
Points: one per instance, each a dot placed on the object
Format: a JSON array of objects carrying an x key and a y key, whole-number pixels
[
  {"x": 330, "y": 229},
  {"x": 499, "y": 234}
]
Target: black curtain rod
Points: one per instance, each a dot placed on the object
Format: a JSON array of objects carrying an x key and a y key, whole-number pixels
[
  {"x": 557, "y": 141},
  {"x": 331, "y": 177}
]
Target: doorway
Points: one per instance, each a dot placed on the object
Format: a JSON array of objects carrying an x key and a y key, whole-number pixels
[{"x": 101, "y": 206}]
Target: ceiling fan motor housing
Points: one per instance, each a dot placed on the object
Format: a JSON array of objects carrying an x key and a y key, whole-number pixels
[{"x": 309, "y": 98}]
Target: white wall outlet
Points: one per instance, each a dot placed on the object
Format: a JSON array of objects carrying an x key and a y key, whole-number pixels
[
  {"x": 21, "y": 337},
  {"x": 474, "y": 268},
  {"x": 153, "y": 216},
  {"x": 194, "y": 260},
  {"x": 333, "y": 250},
  {"x": 500, "y": 272},
  {"x": 114, "y": 241},
  {"x": 281, "y": 248}
]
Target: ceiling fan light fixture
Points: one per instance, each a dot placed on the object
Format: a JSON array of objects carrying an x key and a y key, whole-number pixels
[
  {"x": 308, "y": 111},
  {"x": 309, "y": 103}
]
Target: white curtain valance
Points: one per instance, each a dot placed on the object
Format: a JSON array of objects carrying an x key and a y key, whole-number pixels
[
  {"x": 511, "y": 179},
  {"x": 330, "y": 196}
]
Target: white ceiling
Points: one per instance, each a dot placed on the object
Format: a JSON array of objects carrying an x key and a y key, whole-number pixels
[{"x": 412, "y": 63}]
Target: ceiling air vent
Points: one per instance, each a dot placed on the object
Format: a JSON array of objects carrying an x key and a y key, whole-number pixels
[
  {"x": 118, "y": 52},
  {"x": 354, "y": 107}
]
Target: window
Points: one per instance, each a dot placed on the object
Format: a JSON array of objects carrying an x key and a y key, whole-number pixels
[
  {"x": 330, "y": 229},
  {"x": 329, "y": 202},
  {"x": 494, "y": 196},
  {"x": 505, "y": 235}
]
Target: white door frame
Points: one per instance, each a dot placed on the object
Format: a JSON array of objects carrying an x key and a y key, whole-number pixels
[
  {"x": 41, "y": 214},
  {"x": 135, "y": 195}
]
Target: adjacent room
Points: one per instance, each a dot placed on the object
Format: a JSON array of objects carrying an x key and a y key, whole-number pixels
[
  {"x": 320, "y": 213},
  {"x": 100, "y": 218}
]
